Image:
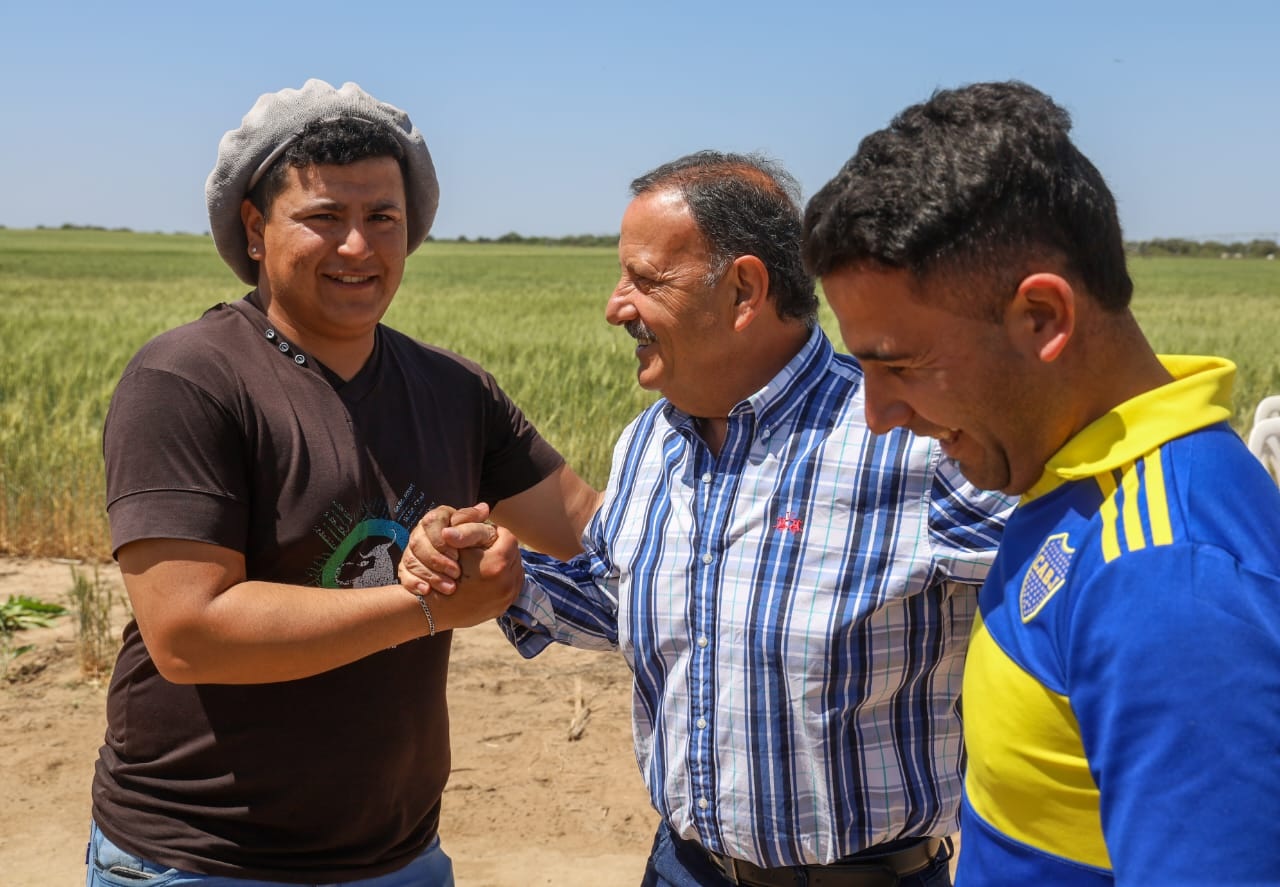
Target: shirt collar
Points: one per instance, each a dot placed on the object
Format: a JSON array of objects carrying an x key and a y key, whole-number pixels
[
  {"x": 784, "y": 392},
  {"x": 1198, "y": 396}
]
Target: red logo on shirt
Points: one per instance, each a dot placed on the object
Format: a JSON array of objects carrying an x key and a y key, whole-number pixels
[{"x": 788, "y": 524}]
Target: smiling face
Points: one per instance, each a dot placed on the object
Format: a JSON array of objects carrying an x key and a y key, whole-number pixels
[
  {"x": 939, "y": 373},
  {"x": 331, "y": 250},
  {"x": 682, "y": 325}
]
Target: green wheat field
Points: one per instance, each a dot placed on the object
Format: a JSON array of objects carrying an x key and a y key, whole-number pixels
[{"x": 76, "y": 304}]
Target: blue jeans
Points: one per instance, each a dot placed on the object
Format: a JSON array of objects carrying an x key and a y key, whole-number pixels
[
  {"x": 109, "y": 866},
  {"x": 675, "y": 862}
]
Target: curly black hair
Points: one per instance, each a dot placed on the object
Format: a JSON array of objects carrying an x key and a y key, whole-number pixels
[
  {"x": 337, "y": 141},
  {"x": 982, "y": 183}
]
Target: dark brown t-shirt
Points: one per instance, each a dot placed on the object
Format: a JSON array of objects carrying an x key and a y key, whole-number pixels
[{"x": 221, "y": 431}]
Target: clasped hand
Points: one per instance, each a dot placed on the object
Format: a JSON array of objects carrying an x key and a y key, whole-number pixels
[{"x": 457, "y": 549}]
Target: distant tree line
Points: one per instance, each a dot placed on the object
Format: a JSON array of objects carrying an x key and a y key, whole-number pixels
[
  {"x": 1208, "y": 249},
  {"x": 1258, "y": 248},
  {"x": 570, "y": 240},
  {"x": 71, "y": 226},
  {"x": 1170, "y": 246}
]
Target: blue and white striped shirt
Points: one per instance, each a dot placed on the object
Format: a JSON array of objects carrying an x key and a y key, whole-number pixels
[{"x": 796, "y": 613}]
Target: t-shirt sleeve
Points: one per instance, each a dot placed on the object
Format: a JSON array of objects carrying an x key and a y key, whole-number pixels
[
  {"x": 516, "y": 456},
  {"x": 1174, "y": 677},
  {"x": 175, "y": 463},
  {"x": 965, "y": 524}
]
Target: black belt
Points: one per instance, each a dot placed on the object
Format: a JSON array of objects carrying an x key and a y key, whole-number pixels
[{"x": 867, "y": 869}]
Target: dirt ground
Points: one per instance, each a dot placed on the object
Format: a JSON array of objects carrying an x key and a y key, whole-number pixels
[{"x": 526, "y": 805}]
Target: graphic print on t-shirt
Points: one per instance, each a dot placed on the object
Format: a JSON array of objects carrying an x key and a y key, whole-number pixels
[{"x": 363, "y": 552}]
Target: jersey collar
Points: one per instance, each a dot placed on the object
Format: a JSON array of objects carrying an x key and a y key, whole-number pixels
[{"x": 1198, "y": 396}]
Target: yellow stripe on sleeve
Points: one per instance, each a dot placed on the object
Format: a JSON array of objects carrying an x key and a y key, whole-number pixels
[
  {"x": 1157, "y": 500},
  {"x": 1134, "y": 539},
  {"x": 1109, "y": 515}
]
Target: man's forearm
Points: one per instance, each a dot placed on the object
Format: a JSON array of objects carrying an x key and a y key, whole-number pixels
[
  {"x": 263, "y": 632},
  {"x": 204, "y": 622}
]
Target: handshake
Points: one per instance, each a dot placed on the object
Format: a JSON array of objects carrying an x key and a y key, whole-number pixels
[{"x": 459, "y": 550}]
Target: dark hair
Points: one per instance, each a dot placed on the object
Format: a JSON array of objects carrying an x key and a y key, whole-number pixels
[
  {"x": 744, "y": 205},
  {"x": 980, "y": 182},
  {"x": 336, "y": 141}
]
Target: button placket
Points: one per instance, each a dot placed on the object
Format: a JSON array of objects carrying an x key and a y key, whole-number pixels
[
  {"x": 284, "y": 347},
  {"x": 706, "y": 520}
]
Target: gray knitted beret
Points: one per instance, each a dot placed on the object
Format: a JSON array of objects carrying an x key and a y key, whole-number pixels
[{"x": 269, "y": 128}]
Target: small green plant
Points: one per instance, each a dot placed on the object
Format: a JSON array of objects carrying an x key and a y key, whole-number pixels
[
  {"x": 17, "y": 613},
  {"x": 91, "y": 600},
  {"x": 9, "y": 652},
  {"x": 21, "y": 612}
]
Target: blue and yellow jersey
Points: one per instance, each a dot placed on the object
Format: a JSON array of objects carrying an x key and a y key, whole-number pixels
[{"x": 1122, "y": 691}]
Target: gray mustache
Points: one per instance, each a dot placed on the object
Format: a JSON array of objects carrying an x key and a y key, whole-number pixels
[{"x": 637, "y": 329}]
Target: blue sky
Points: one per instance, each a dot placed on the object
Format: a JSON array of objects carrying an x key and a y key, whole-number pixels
[{"x": 538, "y": 115}]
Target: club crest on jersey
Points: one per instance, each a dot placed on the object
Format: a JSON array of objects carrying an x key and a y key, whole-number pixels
[{"x": 1047, "y": 573}]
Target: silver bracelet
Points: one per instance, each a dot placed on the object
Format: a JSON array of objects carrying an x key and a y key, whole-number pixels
[{"x": 426, "y": 611}]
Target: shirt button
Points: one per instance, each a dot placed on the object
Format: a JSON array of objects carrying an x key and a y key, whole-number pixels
[
  {"x": 703, "y": 803},
  {"x": 765, "y": 434},
  {"x": 706, "y": 478},
  {"x": 707, "y": 558},
  {"x": 702, "y": 641},
  {"x": 702, "y": 723}
]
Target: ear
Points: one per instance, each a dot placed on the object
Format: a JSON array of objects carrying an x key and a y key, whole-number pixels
[
  {"x": 1042, "y": 316},
  {"x": 254, "y": 224},
  {"x": 750, "y": 279}
]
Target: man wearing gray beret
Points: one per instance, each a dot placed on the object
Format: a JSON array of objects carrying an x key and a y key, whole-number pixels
[{"x": 277, "y": 713}]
